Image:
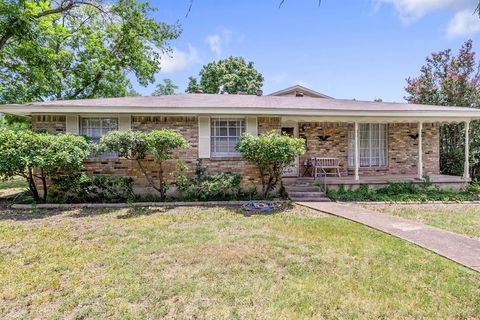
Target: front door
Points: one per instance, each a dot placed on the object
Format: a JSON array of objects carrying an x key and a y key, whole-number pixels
[{"x": 291, "y": 170}]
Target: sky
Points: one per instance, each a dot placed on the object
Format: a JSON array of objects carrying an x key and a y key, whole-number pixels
[{"x": 349, "y": 49}]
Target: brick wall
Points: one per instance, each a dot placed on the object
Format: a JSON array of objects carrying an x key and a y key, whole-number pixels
[
  {"x": 402, "y": 149},
  {"x": 49, "y": 123}
]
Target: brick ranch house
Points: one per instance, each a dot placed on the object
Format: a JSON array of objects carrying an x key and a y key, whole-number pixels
[{"x": 373, "y": 142}]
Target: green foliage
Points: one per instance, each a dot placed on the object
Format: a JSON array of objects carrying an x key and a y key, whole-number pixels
[
  {"x": 165, "y": 88},
  {"x": 83, "y": 189},
  {"x": 78, "y": 49},
  {"x": 135, "y": 145},
  {"x": 407, "y": 191},
  {"x": 129, "y": 144},
  {"x": 271, "y": 153},
  {"x": 15, "y": 123},
  {"x": 40, "y": 156},
  {"x": 220, "y": 186},
  {"x": 451, "y": 80},
  {"x": 234, "y": 74},
  {"x": 193, "y": 85}
]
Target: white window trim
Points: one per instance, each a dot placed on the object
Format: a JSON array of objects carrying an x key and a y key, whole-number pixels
[
  {"x": 351, "y": 151},
  {"x": 215, "y": 154}
]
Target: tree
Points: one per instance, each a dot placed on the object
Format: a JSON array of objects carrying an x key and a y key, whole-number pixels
[
  {"x": 234, "y": 74},
  {"x": 450, "y": 80},
  {"x": 271, "y": 153},
  {"x": 193, "y": 85},
  {"x": 72, "y": 49},
  {"x": 135, "y": 145},
  {"x": 40, "y": 156},
  {"x": 166, "y": 88}
]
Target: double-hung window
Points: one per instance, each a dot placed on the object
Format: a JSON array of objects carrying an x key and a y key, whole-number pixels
[
  {"x": 225, "y": 135},
  {"x": 372, "y": 145},
  {"x": 95, "y": 128}
]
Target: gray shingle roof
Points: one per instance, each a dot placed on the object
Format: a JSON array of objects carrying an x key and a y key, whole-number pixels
[{"x": 243, "y": 101}]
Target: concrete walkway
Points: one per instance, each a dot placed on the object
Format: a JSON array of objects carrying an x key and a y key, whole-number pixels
[{"x": 458, "y": 248}]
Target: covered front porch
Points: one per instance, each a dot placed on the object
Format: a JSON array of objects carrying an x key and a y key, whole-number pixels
[{"x": 373, "y": 151}]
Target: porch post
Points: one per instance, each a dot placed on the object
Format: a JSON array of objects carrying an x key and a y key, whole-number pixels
[
  {"x": 420, "y": 151},
  {"x": 466, "y": 168},
  {"x": 357, "y": 158}
]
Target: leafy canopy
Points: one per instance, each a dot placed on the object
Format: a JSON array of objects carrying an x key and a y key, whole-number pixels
[
  {"x": 166, "y": 88},
  {"x": 72, "y": 49},
  {"x": 234, "y": 74},
  {"x": 451, "y": 80},
  {"x": 40, "y": 155},
  {"x": 136, "y": 145}
]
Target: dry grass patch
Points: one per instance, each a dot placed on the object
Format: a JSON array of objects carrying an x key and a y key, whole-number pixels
[
  {"x": 459, "y": 218},
  {"x": 212, "y": 263}
]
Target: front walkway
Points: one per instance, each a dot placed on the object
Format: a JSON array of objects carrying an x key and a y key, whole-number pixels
[{"x": 458, "y": 248}]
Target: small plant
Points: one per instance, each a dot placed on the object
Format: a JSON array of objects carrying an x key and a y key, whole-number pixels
[
  {"x": 135, "y": 145},
  {"x": 271, "y": 153},
  {"x": 82, "y": 188}
]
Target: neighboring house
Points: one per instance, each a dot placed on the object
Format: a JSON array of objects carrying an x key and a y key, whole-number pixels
[
  {"x": 374, "y": 142},
  {"x": 299, "y": 91}
]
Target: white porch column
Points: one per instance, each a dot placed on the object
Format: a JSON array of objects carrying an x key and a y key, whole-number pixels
[
  {"x": 466, "y": 168},
  {"x": 357, "y": 157},
  {"x": 420, "y": 151}
]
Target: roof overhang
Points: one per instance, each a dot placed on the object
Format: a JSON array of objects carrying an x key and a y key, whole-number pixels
[{"x": 304, "y": 114}]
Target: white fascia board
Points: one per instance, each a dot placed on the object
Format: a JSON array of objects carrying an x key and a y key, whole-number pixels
[{"x": 444, "y": 115}]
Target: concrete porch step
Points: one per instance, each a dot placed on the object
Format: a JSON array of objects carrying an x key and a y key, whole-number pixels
[
  {"x": 325, "y": 199},
  {"x": 316, "y": 194},
  {"x": 301, "y": 188}
]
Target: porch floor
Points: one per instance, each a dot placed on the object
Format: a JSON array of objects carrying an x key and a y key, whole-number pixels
[{"x": 350, "y": 179}]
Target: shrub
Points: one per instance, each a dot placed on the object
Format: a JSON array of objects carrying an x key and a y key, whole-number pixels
[
  {"x": 407, "y": 191},
  {"x": 40, "y": 156},
  {"x": 220, "y": 186},
  {"x": 82, "y": 188},
  {"x": 135, "y": 145},
  {"x": 271, "y": 153}
]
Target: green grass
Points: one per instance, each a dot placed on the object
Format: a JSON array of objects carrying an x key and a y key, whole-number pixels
[
  {"x": 459, "y": 218},
  {"x": 216, "y": 263},
  {"x": 13, "y": 183}
]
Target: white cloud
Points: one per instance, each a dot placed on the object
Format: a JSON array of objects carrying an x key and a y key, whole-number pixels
[
  {"x": 178, "y": 60},
  {"x": 410, "y": 10},
  {"x": 219, "y": 43},
  {"x": 463, "y": 24},
  {"x": 278, "y": 78},
  {"x": 215, "y": 43}
]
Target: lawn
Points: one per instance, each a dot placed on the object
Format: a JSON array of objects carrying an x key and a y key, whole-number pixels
[
  {"x": 459, "y": 218},
  {"x": 13, "y": 183},
  {"x": 216, "y": 263}
]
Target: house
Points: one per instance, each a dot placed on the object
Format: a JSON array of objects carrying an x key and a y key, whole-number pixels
[{"x": 374, "y": 142}]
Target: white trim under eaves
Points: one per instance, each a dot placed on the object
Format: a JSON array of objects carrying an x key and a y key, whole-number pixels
[{"x": 460, "y": 114}]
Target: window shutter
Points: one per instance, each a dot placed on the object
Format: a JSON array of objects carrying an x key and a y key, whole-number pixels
[
  {"x": 252, "y": 126},
  {"x": 72, "y": 124},
  {"x": 124, "y": 122},
  {"x": 204, "y": 137}
]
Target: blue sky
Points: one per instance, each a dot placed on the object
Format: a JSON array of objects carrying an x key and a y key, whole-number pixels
[{"x": 362, "y": 49}]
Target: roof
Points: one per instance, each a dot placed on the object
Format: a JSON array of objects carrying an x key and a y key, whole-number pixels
[
  {"x": 298, "y": 88},
  {"x": 243, "y": 104}
]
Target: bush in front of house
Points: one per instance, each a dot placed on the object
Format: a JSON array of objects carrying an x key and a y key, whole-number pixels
[
  {"x": 400, "y": 192},
  {"x": 204, "y": 187},
  {"x": 82, "y": 188},
  {"x": 39, "y": 157},
  {"x": 135, "y": 145},
  {"x": 272, "y": 153}
]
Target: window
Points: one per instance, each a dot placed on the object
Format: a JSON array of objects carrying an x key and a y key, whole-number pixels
[
  {"x": 372, "y": 145},
  {"x": 95, "y": 128},
  {"x": 225, "y": 135}
]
